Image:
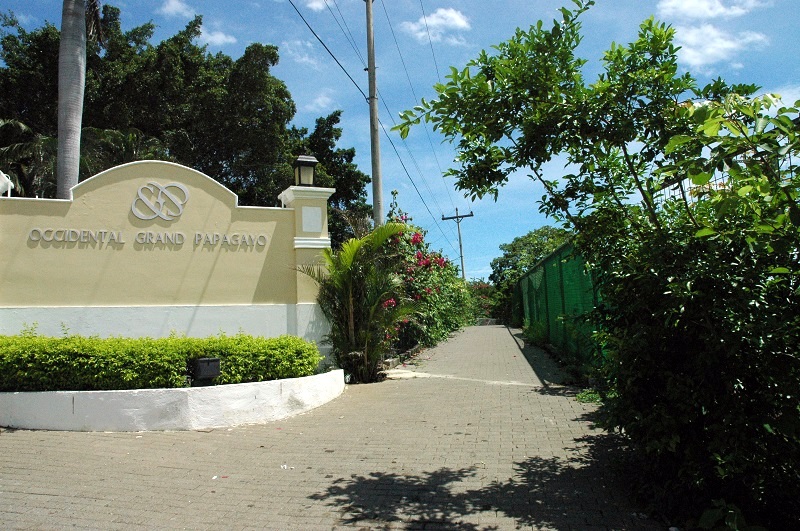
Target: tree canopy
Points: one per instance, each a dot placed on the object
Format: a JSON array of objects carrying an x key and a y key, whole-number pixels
[
  {"x": 228, "y": 118},
  {"x": 684, "y": 203},
  {"x": 519, "y": 257}
]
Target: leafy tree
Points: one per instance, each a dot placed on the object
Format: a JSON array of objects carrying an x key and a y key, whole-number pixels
[
  {"x": 683, "y": 201},
  {"x": 29, "y": 158},
  {"x": 29, "y": 80},
  {"x": 518, "y": 257},
  {"x": 227, "y": 118}
]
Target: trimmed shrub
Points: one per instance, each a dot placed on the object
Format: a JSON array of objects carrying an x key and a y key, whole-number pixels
[
  {"x": 246, "y": 358},
  {"x": 76, "y": 363}
]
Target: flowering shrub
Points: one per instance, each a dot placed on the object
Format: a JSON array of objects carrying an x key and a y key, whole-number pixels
[
  {"x": 485, "y": 298},
  {"x": 444, "y": 303}
]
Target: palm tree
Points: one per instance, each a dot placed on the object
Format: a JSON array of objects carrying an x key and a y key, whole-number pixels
[
  {"x": 362, "y": 300},
  {"x": 105, "y": 148},
  {"x": 29, "y": 159},
  {"x": 78, "y": 18}
]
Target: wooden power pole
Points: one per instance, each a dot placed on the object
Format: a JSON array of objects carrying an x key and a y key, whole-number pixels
[
  {"x": 375, "y": 145},
  {"x": 460, "y": 247}
]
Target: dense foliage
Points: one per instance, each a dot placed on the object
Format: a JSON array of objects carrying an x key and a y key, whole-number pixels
[
  {"x": 684, "y": 202},
  {"x": 486, "y": 298},
  {"x": 172, "y": 100},
  {"x": 444, "y": 302},
  {"x": 363, "y": 299},
  {"x": 388, "y": 291},
  {"x": 518, "y": 257},
  {"x": 29, "y": 362}
]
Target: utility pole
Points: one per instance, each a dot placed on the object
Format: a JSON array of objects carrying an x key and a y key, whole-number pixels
[
  {"x": 460, "y": 247},
  {"x": 375, "y": 145}
]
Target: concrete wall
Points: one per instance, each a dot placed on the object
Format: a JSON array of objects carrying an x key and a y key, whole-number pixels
[
  {"x": 150, "y": 248},
  {"x": 169, "y": 409}
]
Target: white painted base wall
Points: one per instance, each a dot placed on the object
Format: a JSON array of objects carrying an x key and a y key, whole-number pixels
[
  {"x": 269, "y": 320},
  {"x": 169, "y": 409}
]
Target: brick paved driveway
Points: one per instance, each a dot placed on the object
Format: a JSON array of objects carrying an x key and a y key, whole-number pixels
[{"x": 476, "y": 435}]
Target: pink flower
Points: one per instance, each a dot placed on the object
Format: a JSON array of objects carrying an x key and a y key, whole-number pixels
[
  {"x": 389, "y": 303},
  {"x": 416, "y": 238}
]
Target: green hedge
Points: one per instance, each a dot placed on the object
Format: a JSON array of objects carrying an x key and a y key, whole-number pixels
[{"x": 75, "y": 363}]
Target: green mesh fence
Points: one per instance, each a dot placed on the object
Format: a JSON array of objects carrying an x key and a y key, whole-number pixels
[{"x": 552, "y": 299}]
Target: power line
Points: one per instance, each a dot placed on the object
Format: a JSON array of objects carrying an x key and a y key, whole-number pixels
[
  {"x": 348, "y": 35},
  {"x": 328, "y": 50},
  {"x": 394, "y": 147},
  {"x": 414, "y": 94},
  {"x": 402, "y": 164},
  {"x": 430, "y": 40}
]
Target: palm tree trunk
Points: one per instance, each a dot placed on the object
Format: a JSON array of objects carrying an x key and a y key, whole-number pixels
[{"x": 71, "y": 84}]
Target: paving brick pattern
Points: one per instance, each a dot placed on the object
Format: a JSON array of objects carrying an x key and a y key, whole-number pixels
[{"x": 476, "y": 434}]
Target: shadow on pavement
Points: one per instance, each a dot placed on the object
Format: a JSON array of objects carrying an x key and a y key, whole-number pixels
[
  {"x": 552, "y": 492},
  {"x": 553, "y": 378}
]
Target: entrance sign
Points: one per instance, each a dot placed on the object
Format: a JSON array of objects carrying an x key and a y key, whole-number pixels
[{"x": 152, "y": 248}]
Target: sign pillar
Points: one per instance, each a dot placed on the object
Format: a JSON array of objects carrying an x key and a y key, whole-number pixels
[{"x": 310, "y": 206}]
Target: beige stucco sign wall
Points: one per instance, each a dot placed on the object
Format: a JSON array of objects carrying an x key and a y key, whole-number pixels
[{"x": 151, "y": 248}]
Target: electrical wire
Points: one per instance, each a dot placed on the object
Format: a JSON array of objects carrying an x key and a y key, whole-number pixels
[
  {"x": 414, "y": 94},
  {"x": 394, "y": 147},
  {"x": 329, "y": 51},
  {"x": 402, "y": 164},
  {"x": 347, "y": 34},
  {"x": 430, "y": 40}
]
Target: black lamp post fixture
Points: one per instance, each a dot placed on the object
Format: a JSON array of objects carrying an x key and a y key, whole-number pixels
[{"x": 304, "y": 170}]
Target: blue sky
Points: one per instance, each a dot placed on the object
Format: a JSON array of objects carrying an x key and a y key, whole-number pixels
[{"x": 747, "y": 41}]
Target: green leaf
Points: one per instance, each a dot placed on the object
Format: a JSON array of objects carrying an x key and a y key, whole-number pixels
[
  {"x": 704, "y": 232},
  {"x": 699, "y": 179},
  {"x": 777, "y": 271},
  {"x": 711, "y": 127},
  {"x": 675, "y": 142}
]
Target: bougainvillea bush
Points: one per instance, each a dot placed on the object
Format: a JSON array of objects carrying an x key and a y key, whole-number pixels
[{"x": 443, "y": 300}]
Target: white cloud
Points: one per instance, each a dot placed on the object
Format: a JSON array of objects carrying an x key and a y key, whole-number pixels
[
  {"x": 176, "y": 8},
  {"x": 323, "y": 102},
  {"x": 789, "y": 94},
  {"x": 215, "y": 38},
  {"x": 441, "y": 23},
  {"x": 316, "y": 5},
  {"x": 705, "y": 9},
  {"x": 299, "y": 52},
  {"x": 25, "y": 20},
  {"x": 706, "y": 45}
]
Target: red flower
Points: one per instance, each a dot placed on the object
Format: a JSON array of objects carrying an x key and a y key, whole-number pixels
[
  {"x": 389, "y": 303},
  {"x": 416, "y": 238}
]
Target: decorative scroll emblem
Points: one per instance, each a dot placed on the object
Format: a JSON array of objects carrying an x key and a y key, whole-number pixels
[{"x": 156, "y": 201}]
